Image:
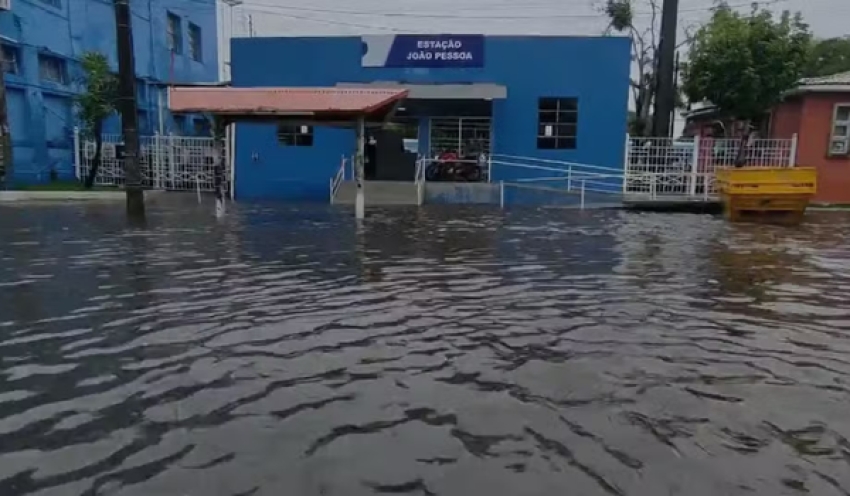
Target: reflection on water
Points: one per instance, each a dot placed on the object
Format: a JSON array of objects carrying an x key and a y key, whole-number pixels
[{"x": 284, "y": 351}]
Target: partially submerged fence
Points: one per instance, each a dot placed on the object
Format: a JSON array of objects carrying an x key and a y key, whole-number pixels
[
  {"x": 178, "y": 163},
  {"x": 686, "y": 166}
]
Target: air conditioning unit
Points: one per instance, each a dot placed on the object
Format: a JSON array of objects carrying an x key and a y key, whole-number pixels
[{"x": 5, "y": 4}]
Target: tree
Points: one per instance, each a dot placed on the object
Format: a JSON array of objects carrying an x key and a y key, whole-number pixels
[
  {"x": 744, "y": 63},
  {"x": 828, "y": 56},
  {"x": 96, "y": 103},
  {"x": 645, "y": 40}
]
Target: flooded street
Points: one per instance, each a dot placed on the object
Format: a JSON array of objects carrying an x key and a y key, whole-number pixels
[{"x": 434, "y": 351}]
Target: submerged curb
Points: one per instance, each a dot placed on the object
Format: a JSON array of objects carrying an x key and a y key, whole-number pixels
[{"x": 29, "y": 196}]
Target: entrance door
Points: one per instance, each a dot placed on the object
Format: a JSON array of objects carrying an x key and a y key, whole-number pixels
[{"x": 390, "y": 160}]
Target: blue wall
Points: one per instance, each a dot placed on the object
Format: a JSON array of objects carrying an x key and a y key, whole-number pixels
[
  {"x": 42, "y": 113},
  {"x": 596, "y": 70}
]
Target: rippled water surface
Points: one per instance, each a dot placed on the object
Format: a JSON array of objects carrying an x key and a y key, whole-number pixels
[{"x": 284, "y": 351}]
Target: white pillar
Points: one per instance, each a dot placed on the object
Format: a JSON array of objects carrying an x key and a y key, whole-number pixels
[
  {"x": 171, "y": 159},
  {"x": 502, "y": 194},
  {"x": 792, "y": 159},
  {"x": 156, "y": 162},
  {"x": 231, "y": 157},
  {"x": 78, "y": 162},
  {"x": 489, "y": 168},
  {"x": 694, "y": 166},
  {"x": 360, "y": 200}
]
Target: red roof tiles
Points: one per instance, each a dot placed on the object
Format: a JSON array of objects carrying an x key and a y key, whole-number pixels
[{"x": 270, "y": 101}]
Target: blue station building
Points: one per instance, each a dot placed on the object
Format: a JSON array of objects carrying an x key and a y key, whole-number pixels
[
  {"x": 175, "y": 41},
  {"x": 563, "y": 99}
]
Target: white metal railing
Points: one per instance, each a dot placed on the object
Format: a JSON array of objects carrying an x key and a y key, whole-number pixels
[
  {"x": 656, "y": 185},
  {"x": 575, "y": 182},
  {"x": 521, "y": 161},
  {"x": 570, "y": 176},
  {"x": 560, "y": 177},
  {"x": 182, "y": 163},
  {"x": 337, "y": 179},
  {"x": 686, "y": 166}
]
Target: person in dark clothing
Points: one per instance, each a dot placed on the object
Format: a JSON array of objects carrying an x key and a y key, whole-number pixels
[{"x": 370, "y": 167}]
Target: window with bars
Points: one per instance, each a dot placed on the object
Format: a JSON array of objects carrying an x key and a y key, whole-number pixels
[
  {"x": 174, "y": 34},
  {"x": 195, "y": 44},
  {"x": 11, "y": 60},
  {"x": 839, "y": 141},
  {"x": 557, "y": 123},
  {"x": 179, "y": 124},
  {"x": 294, "y": 135},
  {"x": 52, "y": 69}
]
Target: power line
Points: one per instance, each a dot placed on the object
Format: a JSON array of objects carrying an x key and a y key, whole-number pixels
[
  {"x": 421, "y": 15},
  {"x": 333, "y": 22}
]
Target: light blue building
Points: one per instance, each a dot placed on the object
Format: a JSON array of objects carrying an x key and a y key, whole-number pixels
[{"x": 42, "y": 40}]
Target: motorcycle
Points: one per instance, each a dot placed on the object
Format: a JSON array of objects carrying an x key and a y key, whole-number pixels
[{"x": 450, "y": 167}]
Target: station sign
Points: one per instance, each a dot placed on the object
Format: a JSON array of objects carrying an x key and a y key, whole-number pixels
[{"x": 413, "y": 50}]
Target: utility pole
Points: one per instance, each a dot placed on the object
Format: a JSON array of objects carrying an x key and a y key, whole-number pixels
[
  {"x": 6, "y": 167},
  {"x": 665, "y": 99},
  {"x": 227, "y": 37},
  {"x": 129, "y": 111}
]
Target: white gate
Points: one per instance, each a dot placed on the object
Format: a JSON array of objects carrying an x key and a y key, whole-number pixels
[
  {"x": 465, "y": 136},
  {"x": 178, "y": 163}
]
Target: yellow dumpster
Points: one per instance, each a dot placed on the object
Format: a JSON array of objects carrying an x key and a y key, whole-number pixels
[{"x": 753, "y": 193}]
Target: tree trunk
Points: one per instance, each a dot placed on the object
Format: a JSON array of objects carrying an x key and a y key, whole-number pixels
[
  {"x": 218, "y": 125},
  {"x": 98, "y": 155},
  {"x": 741, "y": 157}
]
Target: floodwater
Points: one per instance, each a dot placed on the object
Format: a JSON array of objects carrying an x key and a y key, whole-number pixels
[{"x": 283, "y": 351}]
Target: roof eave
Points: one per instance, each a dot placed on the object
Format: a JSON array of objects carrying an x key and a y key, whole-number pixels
[{"x": 819, "y": 88}]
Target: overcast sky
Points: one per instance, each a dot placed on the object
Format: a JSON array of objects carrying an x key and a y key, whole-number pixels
[
  {"x": 827, "y": 18},
  {"x": 551, "y": 17}
]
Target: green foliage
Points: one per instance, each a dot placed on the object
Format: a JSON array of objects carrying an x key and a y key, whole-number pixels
[
  {"x": 100, "y": 96},
  {"x": 620, "y": 13},
  {"x": 744, "y": 63},
  {"x": 829, "y": 56}
]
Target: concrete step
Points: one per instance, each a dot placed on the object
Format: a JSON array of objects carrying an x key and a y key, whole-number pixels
[
  {"x": 462, "y": 193},
  {"x": 379, "y": 193}
]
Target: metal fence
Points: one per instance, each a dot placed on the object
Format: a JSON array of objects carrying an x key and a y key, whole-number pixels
[
  {"x": 686, "y": 166},
  {"x": 168, "y": 162},
  {"x": 465, "y": 136}
]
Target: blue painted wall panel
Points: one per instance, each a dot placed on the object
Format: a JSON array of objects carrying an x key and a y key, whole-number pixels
[
  {"x": 302, "y": 173},
  {"x": 596, "y": 70},
  {"x": 42, "y": 113}
]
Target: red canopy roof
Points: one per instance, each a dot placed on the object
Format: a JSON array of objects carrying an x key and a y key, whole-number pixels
[{"x": 248, "y": 102}]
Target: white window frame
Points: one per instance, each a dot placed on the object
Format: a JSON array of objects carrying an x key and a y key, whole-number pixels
[
  {"x": 834, "y": 138},
  {"x": 560, "y": 117}
]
